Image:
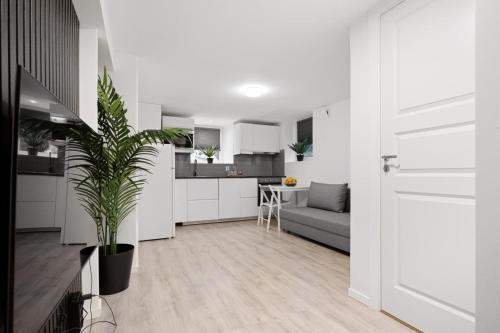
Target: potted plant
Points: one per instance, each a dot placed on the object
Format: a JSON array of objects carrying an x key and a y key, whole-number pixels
[
  {"x": 107, "y": 171},
  {"x": 300, "y": 148},
  {"x": 210, "y": 152},
  {"x": 35, "y": 136}
]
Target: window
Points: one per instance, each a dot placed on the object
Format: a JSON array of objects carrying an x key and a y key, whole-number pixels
[
  {"x": 205, "y": 137},
  {"x": 305, "y": 132}
]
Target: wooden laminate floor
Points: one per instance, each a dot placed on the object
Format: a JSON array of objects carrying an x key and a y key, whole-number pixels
[{"x": 237, "y": 277}]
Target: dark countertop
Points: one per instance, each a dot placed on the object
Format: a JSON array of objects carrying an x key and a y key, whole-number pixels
[{"x": 211, "y": 177}]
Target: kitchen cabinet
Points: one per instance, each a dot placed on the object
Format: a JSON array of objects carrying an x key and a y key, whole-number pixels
[
  {"x": 255, "y": 138},
  {"x": 214, "y": 199},
  {"x": 180, "y": 200},
  {"x": 203, "y": 189},
  {"x": 41, "y": 201},
  {"x": 203, "y": 210},
  {"x": 229, "y": 198},
  {"x": 248, "y": 207},
  {"x": 248, "y": 187},
  {"x": 202, "y": 199},
  {"x": 237, "y": 198}
]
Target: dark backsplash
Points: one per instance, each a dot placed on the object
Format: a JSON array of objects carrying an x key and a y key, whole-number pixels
[
  {"x": 42, "y": 165},
  {"x": 258, "y": 165}
]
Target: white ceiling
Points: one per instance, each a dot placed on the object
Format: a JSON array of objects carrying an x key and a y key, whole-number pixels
[{"x": 195, "y": 54}]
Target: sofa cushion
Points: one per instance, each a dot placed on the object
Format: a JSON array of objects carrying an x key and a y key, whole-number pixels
[
  {"x": 337, "y": 223},
  {"x": 347, "y": 208},
  {"x": 327, "y": 196}
]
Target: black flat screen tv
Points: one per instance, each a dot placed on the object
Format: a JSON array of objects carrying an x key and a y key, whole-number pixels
[{"x": 46, "y": 273}]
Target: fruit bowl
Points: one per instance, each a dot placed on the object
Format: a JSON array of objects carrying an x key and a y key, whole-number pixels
[{"x": 290, "y": 181}]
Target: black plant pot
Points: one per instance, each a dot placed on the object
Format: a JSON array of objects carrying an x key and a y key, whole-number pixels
[
  {"x": 300, "y": 157},
  {"x": 85, "y": 254},
  {"x": 210, "y": 160},
  {"x": 114, "y": 269},
  {"x": 32, "y": 151}
]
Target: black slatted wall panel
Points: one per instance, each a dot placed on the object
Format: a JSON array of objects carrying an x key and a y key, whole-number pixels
[{"x": 43, "y": 37}]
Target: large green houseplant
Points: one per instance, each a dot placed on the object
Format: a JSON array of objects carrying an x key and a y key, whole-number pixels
[{"x": 107, "y": 171}]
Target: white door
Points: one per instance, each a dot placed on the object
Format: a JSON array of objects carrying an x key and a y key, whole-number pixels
[
  {"x": 155, "y": 205},
  {"x": 428, "y": 198}
]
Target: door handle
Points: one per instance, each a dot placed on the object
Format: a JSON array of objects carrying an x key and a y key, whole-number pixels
[{"x": 386, "y": 158}]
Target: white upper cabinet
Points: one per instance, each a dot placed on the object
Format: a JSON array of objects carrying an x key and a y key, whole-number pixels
[
  {"x": 254, "y": 138},
  {"x": 177, "y": 122}
]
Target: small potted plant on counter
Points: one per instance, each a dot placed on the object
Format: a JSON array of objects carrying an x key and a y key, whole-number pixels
[
  {"x": 35, "y": 136},
  {"x": 210, "y": 152},
  {"x": 108, "y": 169},
  {"x": 300, "y": 148}
]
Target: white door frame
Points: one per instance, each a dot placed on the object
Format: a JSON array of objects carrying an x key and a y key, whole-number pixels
[
  {"x": 371, "y": 101},
  {"x": 370, "y": 95},
  {"x": 486, "y": 169}
]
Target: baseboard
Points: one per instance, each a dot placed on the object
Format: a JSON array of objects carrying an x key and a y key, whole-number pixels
[{"x": 360, "y": 297}]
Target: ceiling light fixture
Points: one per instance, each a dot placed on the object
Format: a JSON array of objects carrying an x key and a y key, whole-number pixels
[
  {"x": 32, "y": 101},
  {"x": 253, "y": 91}
]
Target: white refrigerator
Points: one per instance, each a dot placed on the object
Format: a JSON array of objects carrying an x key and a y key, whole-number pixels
[{"x": 155, "y": 206}]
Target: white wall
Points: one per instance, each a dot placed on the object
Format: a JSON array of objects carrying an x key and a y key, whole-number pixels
[
  {"x": 365, "y": 159},
  {"x": 288, "y": 135},
  {"x": 88, "y": 76},
  {"x": 126, "y": 81},
  {"x": 227, "y": 144},
  {"x": 330, "y": 160},
  {"x": 487, "y": 166},
  {"x": 149, "y": 116},
  {"x": 79, "y": 228}
]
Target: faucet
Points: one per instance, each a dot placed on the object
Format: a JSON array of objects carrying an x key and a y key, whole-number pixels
[{"x": 195, "y": 172}]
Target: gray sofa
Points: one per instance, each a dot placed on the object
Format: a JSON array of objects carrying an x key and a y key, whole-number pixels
[{"x": 324, "y": 226}]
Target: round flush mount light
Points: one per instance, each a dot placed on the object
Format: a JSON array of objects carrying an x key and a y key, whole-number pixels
[
  {"x": 253, "y": 90},
  {"x": 32, "y": 101},
  {"x": 58, "y": 119}
]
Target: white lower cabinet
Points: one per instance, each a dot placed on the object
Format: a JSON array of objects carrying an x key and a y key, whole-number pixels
[
  {"x": 203, "y": 210},
  {"x": 41, "y": 201},
  {"x": 213, "y": 199},
  {"x": 248, "y": 207},
  {"x": 248, "y": 187},
  {"x": 229, "y": 198},
  {"x": 237, "y": 198},
  {"x": 202, "y": 199},
  {"x": 35, "y": 214}
]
